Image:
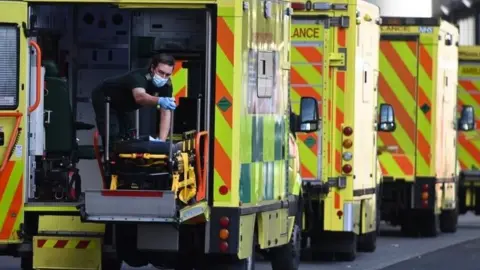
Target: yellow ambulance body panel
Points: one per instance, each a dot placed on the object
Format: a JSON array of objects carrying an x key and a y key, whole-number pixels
[
  {"x": 468, "y": 150},
  {"x": 335, "y": 58},
  {"x": 418, "y": 71}
]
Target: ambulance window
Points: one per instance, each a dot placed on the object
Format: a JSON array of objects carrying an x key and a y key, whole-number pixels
[
  {"x": 9, "y": 61},
  {"x": 265, "y": 72}
]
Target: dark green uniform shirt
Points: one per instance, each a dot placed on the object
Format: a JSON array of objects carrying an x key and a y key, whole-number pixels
[{"x": 119, "y": 89}]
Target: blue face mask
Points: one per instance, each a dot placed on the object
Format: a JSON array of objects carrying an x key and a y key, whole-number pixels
[{"x": 159, "y": 81}]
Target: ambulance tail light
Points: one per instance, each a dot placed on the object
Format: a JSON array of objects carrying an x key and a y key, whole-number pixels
[
  {"x": 224, "y": 234},
  {"x": 347, "y": 168},
  {"x": 425, "y": 195},
  {"x": 347, "y": 131},
  {"x": 298, "y": 6}
]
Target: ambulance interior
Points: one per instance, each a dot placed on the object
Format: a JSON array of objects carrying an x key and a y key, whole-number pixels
[{"x": 84, "y": 44}]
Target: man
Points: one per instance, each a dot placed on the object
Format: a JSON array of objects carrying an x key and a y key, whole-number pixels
[{"x": 138, "y": 88}]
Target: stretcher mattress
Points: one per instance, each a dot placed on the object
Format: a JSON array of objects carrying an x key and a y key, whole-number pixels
[{"x": 144, "y": 145}]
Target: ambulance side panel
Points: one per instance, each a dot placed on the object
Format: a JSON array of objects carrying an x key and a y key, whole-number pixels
[
  {"x": 14, "y": 103},
  {"x": 469, "y": 94}
]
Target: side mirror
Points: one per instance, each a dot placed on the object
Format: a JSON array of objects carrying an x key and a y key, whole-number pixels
[
  {"x": 309, "y": 119},
  {"x": 386, "y": 122},
  {"x": 467, "y": 120}
]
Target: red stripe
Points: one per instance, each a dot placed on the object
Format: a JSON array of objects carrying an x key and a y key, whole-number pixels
[
  {"x": 337, "y": 200},
  {"x": 402, "y": 115},
  {"x": 131, "y": 193},
  {"x": 82, "y": 244},
  {"x": 223, "y": 164},
  {"x": 306, "y": 173},
  {"x": 60, "y": 244},
  {"x": 41, "y": 242},
  {"x": 296, "y": 78},
  {"x": 5, "y": 175},
  {"x": 338, "y": 161},
  {"x": 470, "y": 148},
  {"x": 13, "y": 213},
  {"x": 225, "y": 39}
]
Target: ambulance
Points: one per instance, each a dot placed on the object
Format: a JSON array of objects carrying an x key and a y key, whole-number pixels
[
  {"x": 468, "y": 150},
  {"x": 418, "y": 76},
  {"x": 231, "y": 189},
  {"x": 335, "y": 59}
]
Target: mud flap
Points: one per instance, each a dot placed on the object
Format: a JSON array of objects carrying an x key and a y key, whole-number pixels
[{"x": 56, "y": 252}]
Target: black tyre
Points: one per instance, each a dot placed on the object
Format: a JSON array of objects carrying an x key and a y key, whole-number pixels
[
  {"x": 430, "y": 226},
  {"x": 111, "y": 263},
  {"x": 287, "y": 257},
  {"x": 368, "y": 242},
  {"x": 26, "y": 263},
  {"x": 351, "y": 253},
  {"x": 449, "y": 221}
]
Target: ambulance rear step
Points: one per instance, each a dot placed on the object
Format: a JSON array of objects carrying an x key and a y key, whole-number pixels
[{"x": 129, "y": 206}]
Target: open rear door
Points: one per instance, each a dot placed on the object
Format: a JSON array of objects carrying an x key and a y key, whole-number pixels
[{"x": 13, "y": 113}]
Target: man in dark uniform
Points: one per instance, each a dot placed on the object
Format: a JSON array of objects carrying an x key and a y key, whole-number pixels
[{"x": 138, "y": 88}]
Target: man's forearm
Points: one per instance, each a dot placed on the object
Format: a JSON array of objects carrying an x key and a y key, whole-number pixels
[
  {"x": 148, "y": 100},
  {"x": 165, "y": 118}
]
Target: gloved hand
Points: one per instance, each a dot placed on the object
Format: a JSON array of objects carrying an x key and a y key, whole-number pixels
[
  {"x": 167, "y": 103},
  {"x": 155, "y": 139}
]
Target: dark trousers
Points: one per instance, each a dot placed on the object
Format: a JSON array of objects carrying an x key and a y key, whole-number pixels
[{"x": 123, "y": 118}]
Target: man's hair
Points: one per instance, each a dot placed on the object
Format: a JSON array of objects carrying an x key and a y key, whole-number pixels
[{"x": 162, "y": 59}]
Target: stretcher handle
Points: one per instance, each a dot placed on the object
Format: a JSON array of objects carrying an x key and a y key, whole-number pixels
[
  {"x": 13, "y": 138},
  {"x": 201, "y": 171},
  {"x": 106, "y": 145},
  {"x": 38, "y": 81},
  {"x": 170, "y": 150},
  {"x": 98, "y": 156}
]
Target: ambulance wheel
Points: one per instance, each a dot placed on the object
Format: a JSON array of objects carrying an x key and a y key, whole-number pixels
[
  {"x": 430, "y": 225},
  {"x": 26, "y": 263},
  {"x": 449, "y": 221},
  {"x": 287, "y": 257},
  {"x": 368, "y": 242},
  {"x": 351, "y": 251},
  {"x": 111, "y": 264}
]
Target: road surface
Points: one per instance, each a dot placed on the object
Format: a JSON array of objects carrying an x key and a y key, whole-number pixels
[{"x": 394, "y": 252}]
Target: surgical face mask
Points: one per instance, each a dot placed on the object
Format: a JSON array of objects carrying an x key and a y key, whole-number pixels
[{"x": 159, "y": 81}]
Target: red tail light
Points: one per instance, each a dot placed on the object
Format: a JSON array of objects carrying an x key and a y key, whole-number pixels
[
  {"x": 347, "y": 168},
  {"x": 224, "y": 222},
  {"x": 347, "y": 131},
  {"x": 223, "y": 246},
  {"x": 298, "y": 6}
]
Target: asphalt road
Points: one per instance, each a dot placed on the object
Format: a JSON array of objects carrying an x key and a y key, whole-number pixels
[{"x": 394, "y": 252}]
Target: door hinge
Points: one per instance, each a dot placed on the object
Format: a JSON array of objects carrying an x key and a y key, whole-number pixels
[{"x": 336, "y": 59}]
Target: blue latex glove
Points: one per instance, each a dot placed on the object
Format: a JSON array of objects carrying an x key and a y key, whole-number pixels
[
  {"x": 167, "y": 103},
  {"x": 155, "y": 139}
]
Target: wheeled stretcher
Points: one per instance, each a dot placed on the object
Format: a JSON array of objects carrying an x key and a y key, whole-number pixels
[{"x": 147, "y": 180}]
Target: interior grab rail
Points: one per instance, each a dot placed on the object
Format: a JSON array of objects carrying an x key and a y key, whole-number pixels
[
  {"x": 201, "y": 172},
  {"x": 38, "y": 81}
]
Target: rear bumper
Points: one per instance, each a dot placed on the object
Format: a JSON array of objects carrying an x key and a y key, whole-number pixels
[{"x": 469, "y": 176}]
